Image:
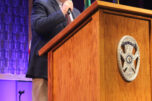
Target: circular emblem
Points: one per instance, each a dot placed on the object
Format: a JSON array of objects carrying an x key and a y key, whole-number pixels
[{"x": 128, "y": 58}]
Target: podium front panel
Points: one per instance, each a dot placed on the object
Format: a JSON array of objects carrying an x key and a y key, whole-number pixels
[
  {"x": 84, "y": 66},
  {"x": 76, "y": 72},
  {"x": 116, "y": 26}
]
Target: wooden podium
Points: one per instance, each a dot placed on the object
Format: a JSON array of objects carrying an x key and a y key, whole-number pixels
[{"x": 82, "y": 58}]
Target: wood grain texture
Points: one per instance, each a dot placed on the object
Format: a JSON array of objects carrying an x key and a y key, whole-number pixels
[
  {"x": 50, "y": 76},
  {"x": 83, "y": 65},
  {"x": 76, "y": 69},
  {"x": 150, "y": 49},
  {"x": 88, "y": 12},
  {"x": 115, "y": 27}
]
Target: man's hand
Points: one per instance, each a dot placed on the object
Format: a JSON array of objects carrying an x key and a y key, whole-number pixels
[{"x": 68, "y": 4}]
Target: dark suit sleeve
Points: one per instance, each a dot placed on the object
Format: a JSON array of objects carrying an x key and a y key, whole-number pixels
[{"x": 44, "y": 23}]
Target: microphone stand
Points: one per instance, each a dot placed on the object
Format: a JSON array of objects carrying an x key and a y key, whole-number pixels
[{"x": 20, "y": 93}]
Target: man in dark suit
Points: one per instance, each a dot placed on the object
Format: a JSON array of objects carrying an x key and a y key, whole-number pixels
[{"x": 47, "y": 19}]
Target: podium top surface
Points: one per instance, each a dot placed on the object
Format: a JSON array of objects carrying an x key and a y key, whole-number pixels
[{"x": 88, "y": 12}]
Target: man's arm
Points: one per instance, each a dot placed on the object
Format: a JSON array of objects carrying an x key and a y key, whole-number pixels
[{"x": 44, "y": 23}]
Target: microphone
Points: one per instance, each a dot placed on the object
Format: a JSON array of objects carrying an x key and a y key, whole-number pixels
[
  {"x": 69, "y": 11},
  {"x": 70, "y": 14}
]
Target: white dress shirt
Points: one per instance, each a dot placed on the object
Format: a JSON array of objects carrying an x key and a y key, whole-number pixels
[{"x": 59, "y": 3}]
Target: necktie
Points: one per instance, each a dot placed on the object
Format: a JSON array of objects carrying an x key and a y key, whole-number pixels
[{"x": 68, "y": 19}]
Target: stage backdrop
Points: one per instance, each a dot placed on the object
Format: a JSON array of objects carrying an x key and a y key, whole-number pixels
[{"x": 13, "y": 36}]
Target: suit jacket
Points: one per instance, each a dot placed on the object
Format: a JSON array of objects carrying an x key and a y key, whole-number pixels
[{"x": 46, "y": 20}]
